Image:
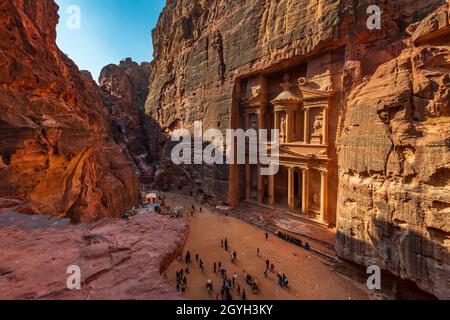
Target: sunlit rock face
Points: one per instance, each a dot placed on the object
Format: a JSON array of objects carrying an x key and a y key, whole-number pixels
[
  {"x": 118, "y": 259},
  {"x": 395, "y": 162},
  {"x": 124, "y": 91},
  {"x": 56, "y": 148},
  {"x": 391, "y": 132}
]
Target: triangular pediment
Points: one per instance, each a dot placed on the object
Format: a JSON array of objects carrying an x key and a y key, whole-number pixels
[
  {"x": 252, "y": 101},
  {"x": 313, "y": 94}
]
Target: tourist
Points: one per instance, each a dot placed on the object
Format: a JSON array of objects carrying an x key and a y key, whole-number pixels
[
  {"x": 234, "y": 279},
  {"x": 257, "y": 252},
  {"x": 265, "y": 272},
  {"x": 267, "y": 263},
  {"x": 185, "y": 281},
  {"x": 225, "y": 244},
  {"x": 280, "y": 279},
  {"x": 307, "y": 246},
  {"x": 215, "y": 267},
  {"x": 188, "y": 258},
  {"x": 245, "y": 275},
  {"x": 221, "y": 243},
  {"x": 220, "y": 265},
  {"x": 286, "y": 282},
  {"x": 197, "y": 257},
  {"x": 272, "y": 268},
  {"x": 234, "y": 255},
  {"x": 244, "y": 295},
  {"x": 201, "y": 210},
  {"x": 267, "y": 236},
  {"x": 239, "y": 290}
]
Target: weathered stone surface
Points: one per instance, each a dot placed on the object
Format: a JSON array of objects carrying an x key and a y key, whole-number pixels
[
  {"x": 390, "y": 116},
  {"x": 56, "y": 145},
  {"x": 202, "y": 47},
  {"x": 124, "y": 90},
  {"x": 118, "y": 259},
  {"x": 394, "y": 190}
]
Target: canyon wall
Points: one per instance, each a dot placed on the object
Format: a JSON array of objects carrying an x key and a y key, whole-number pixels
[
  {"x": 388, "y": 119},
  {"x": 56, "y": 150},
  {"x": 394, "y": 156},
  {"x": 124, "y": 90}
]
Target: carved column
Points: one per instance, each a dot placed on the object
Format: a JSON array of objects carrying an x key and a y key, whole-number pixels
[
  {"x": 323, "y": 194},
  {"x": 290, "y": 124},
  {"x": 325, "y": 126},
  {"x": 248, "y": 181},
  {"x": 305, "y": 191},
  {"x": 307, "y": 138},
  {"x": 291, "y": 189},
  {"x": 260, "y": 186},
  {"x": 272, "y": 191},
  {"x": 248, "y": 169}
]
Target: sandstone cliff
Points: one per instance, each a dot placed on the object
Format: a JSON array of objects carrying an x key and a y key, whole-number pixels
[
  {"x": 56, "y": 148},
  {"x": 388, "y": 120},
  {"x": 124, "y": 91},
  {"x": 394, "y": 156}
]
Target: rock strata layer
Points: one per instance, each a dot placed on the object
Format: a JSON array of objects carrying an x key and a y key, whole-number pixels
[{"x": 56, "y": 148}]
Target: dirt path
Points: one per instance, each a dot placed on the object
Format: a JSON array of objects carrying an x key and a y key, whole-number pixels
[{"x": 308, "y": 277}]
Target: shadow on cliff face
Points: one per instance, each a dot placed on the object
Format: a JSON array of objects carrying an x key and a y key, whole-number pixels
[{"x": 413, "y": 266}]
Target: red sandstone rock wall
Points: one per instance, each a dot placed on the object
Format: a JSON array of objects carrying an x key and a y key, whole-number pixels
[
  {"x": 125, "y": 90},
  {"x": 56, "y": 148},
  {"x": 389, "y": 116},
  {"x": 394, "y": 156}
]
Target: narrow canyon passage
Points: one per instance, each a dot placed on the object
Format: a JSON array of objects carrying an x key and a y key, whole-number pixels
[{"x": 308, "y": 277}]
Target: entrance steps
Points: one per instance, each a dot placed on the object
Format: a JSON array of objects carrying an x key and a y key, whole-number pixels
[{"x": 320, "y": 238}]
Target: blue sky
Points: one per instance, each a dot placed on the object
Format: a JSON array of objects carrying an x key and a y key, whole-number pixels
[{"x": 110, "y": 31}]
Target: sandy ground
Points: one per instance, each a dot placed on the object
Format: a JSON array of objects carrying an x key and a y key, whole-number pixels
[{"x": 309, "y": 278}]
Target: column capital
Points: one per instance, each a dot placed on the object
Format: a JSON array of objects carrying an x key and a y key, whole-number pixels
[
  {"x": 323, "y": 171},
  {"x": 305, "y": 169}
]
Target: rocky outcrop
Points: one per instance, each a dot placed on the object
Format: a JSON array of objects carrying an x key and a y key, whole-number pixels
[
  {"x": 125, "y": 90},
  {"x": 394, "y": 202},
  {"x": 56, "y": 149},
  {"x": 389, "y": 114},
  {"x": 202, "y": 47},
  {"x": 118, "y": 259}
]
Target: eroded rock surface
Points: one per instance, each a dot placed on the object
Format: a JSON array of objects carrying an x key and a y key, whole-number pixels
[
  {"x": 389, "y": 122},
  {"x": 394, "y": 203},
  {"x": 125, "y": 90},
  {"x": 56, "y": 148},
  {"x": 118, "y": 259}
]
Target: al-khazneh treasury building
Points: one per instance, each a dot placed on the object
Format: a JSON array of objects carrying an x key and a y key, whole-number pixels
[{"x": 306, "y": 183}]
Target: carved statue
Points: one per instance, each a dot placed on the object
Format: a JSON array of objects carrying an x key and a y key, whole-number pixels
[
  {"x": 318, "y": 125},
  {"x": 283, "y": 129}
]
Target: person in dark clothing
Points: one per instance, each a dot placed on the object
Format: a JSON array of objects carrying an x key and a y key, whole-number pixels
[
  {"x": 188, "y": 258},
  {"x": 267, "y": 236},
  {"x": 197, "y": 257},
  {"x": 267, "y": 264},
  {"x": 215, "y": 267},
  {"x": 235, "y": 255},
  {"x": 225, "y": 243}
]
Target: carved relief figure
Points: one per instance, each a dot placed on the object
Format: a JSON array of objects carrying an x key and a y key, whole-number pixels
[
  {"x": 318, "y": 125},
  {"x": 283, "y": 129}
]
